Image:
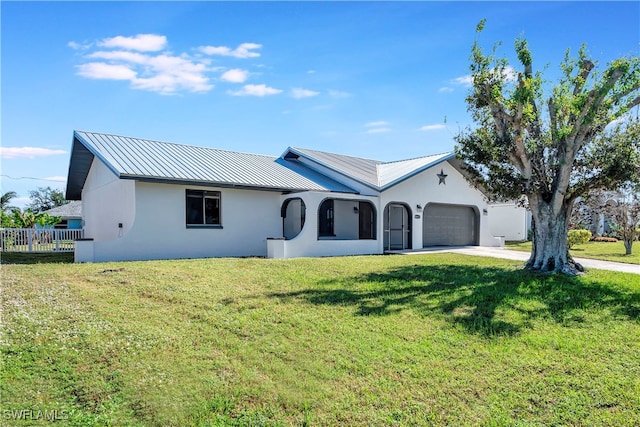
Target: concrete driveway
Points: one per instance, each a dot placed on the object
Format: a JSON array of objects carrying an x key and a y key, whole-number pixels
[{"x": 521, "y": 256}]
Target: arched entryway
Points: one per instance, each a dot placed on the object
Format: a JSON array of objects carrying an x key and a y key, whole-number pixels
[
  {"x": 342, "y": 219},
  {"x": 293, "y": 213},
  {"x": 450, "y": 225},
  {"x": 397, "y": 227}
]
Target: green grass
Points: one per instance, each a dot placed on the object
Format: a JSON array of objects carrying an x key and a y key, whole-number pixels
[
  {"x": 35, "y": 258},
  {"x": 594, "y": 250},
  {"x": 438, "y": 339}
]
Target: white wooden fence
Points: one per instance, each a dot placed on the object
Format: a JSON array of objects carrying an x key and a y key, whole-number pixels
[{"x": 38, "y": 240}]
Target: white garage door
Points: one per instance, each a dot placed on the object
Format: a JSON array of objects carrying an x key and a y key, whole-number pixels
[{"x": 449, "y": 225}]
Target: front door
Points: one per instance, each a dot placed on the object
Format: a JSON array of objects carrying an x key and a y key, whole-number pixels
[{"x": 397, "y": 233}]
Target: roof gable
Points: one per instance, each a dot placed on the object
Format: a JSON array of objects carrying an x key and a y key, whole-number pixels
[{"x": 372, "y": 173}]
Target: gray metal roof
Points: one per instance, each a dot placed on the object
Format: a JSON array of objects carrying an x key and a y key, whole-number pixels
[
  {"x": 142, "y": 159},
  {"x": 373, "y": 173},
  {"x": 363, "y": 170},
  {"x": 147, "y": 160},
  {"x": 70, "y": 210}
]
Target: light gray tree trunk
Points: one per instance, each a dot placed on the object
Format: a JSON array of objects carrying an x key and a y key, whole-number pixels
[
  {"x": 550, "y": 249},
  {"x": 628, "y": 245}
]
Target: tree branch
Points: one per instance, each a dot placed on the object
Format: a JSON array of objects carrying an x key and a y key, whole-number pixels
[{"x": 585, "y": 67}]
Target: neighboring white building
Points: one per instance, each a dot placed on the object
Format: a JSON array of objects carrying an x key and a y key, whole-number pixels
[
  {"x": 509, "y": 220},
  {"x": 154, "y": 200}
]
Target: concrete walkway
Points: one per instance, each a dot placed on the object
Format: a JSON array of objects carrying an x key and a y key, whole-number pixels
[{"x": 521, "y": 256}]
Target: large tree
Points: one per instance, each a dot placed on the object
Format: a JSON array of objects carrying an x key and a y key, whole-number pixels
[
  {"x": 551, "y": 145},
  {"x": 47, "y": 198}
]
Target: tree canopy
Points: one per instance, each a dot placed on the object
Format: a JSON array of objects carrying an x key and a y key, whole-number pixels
[
  {"x": 43, "y": 199},
  {"x": 550, "y": 144}
]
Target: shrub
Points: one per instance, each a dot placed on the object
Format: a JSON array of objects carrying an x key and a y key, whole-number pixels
[
  {"x": 577, "y": 237},
  {"x": 605, "y": 239}
]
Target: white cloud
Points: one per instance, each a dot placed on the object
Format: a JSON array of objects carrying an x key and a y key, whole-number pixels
[
  {"x": 157, "y": 72},
  {"x": 339, "y": 94},
  {"x": 143, "y": 61},
  {"x": 433, "y": 127},
  {"x": 235, "y": 75},
  {"x": 299, "y": 93},
  {"x": 28, "y": 152},
  {"x": 141, "y": 42},
  {"x": 379, "y": 123},
  {"x": 78, "y": 46},
  {"x": 311, "y": 71},
  {"x": 379, "y": 130},
  {"x": 256, "y": 90},
  {"x": 463, "y": 81},
  {"x": 245, "y": 50},
  {"x": 101, "y": 70},
  {"x": 168, "y": 74},
  {"x": 510, "y": 74},
  {"x": 445, "y": 89},
  {"x": 620, "y": 120},
  {"x": 56, "y": 178},
  {"x": 121, "y": 55}
]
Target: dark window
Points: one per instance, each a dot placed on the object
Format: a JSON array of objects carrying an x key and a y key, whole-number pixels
[
  {"x": 325, "y": 218},
  {"x": 366, "y": 221},
  {"x": 203, "y": 207}
]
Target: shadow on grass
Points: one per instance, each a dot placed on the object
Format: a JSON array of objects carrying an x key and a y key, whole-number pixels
[
  {"x": 487, "y": 301},
  {"x": 36, "y": 258}
]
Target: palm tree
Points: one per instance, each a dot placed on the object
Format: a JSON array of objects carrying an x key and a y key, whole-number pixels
[
  {"x": 5, "y": 209},
  {"x": 5, "y": 199}
]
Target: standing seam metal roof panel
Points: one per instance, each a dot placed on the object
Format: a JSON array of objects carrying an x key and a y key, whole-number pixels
[
  {"x": 146, "y": 159},
  {"x": 363, "y": 170}
]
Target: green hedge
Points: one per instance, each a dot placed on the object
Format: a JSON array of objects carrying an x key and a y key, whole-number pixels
[{"x": 577, "y": 237}]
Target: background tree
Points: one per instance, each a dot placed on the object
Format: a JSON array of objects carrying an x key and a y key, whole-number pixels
[
  {"x": 47, "y": 198},
  {"x": 622, "y": 208},
  {"x": 554, "y": 148},
  {"x": 5, "y": 201},
  {"x": 615, "y": 213},
  {"x": 626, "y": 212},
  {"x": 6, "y": 208}
]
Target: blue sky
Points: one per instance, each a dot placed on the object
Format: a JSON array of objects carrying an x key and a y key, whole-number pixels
[{"x": 370, "y": 79}]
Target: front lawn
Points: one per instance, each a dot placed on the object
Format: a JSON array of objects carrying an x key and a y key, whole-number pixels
[
  {"x": 594, "y": 250},
  {"x": 436, "y": 339}
]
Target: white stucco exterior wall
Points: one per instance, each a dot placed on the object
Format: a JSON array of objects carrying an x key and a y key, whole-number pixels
[
  {"x": 107, "y": 201},
  {"x": 153, "y": 218},
  {"x": 159, "y": 232},
  {"x": 424, "y": 188},
  {"x": 307, "y": 243},
  {"x": 509, "y": 220}
]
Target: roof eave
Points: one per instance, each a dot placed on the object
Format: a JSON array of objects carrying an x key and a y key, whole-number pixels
[
  {"x": 178, "y": 181},
  {"x": 82, "y": 155}
]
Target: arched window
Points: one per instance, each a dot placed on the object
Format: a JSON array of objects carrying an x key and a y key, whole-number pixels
[
  {"x": 325, "y": 219},
  {"x": 293, "y": 214},
  {"x": 366, "y": 221}
]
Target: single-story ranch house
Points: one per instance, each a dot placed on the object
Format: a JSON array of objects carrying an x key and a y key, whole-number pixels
[
  {"x": 145, "y": 199},
  {"x": 70, "y": 215}
]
